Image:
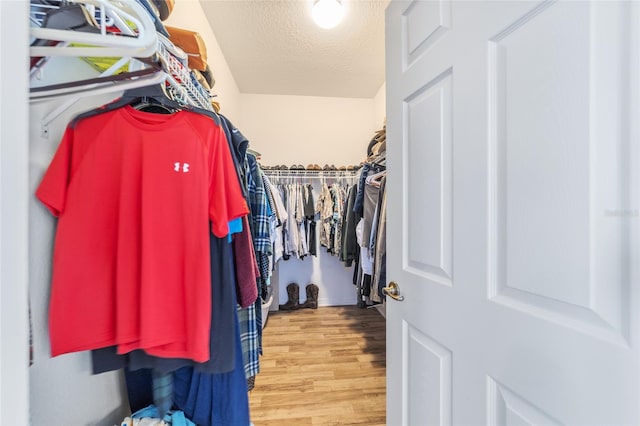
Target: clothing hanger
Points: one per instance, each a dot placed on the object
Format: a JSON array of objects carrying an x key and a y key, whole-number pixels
[
  {"x": 138, "y": 94},
  {"x": 148, "y": 104},
  {"x": 137, "y": 36},
  {"x": 375, "y": 179},
  {"x": 72, "y": 17}
]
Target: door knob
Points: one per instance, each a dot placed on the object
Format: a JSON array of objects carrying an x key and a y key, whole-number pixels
[{"x": 393, "y": 291}]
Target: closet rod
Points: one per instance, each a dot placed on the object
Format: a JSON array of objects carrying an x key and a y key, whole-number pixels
[{"x": 312, "y": 173}]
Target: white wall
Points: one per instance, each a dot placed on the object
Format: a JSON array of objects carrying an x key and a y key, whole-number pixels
[
  {"x": 307, "y": 129},
  {"x": 188, "y": 14},
  {"x": 14, "y": 148},
  {"x": 380, "y": 105},
  {"x": 310, "y": 130}
]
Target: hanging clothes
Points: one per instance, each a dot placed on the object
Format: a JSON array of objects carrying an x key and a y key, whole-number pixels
[
  {"x": 368, "y": 207},
  {"x": 349, "y": 249},
  {"x": 303, "y": 249},
  {"x": 180, "y": 170},
  {"x": 250, "y": 318},
  {"x": 380, "y": 246},
  {"x": 156, "y": 166},
  {"x": 310, "y": 220},
  {"x": 215, "y": 399},
  {"x": 223, "y": 299},
  {"x": 298, "y": 218},
  {"x": 278, "y": 222},
  {"x": 338, "y": 195},
  {"x": 324, "y": 208}
]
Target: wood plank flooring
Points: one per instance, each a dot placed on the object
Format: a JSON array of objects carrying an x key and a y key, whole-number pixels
[{"x": 322, "y": 366}]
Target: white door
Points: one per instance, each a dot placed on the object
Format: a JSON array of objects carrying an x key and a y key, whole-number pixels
[{"x": 514, "y": 218}]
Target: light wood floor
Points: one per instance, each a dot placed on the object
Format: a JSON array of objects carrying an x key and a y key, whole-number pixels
[{"x": 322, "y": 366}]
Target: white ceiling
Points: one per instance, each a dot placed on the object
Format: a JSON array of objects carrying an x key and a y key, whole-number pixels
[{"x": 274, "y": 47}]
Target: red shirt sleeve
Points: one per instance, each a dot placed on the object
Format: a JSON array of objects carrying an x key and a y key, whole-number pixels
[
  {"x": 226, "y": 201},
  {"x": 52, "y": 191}
]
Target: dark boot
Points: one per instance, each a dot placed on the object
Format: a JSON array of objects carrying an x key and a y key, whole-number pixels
[
  {"x": 293, "y": 291},
  {"x": 312, "y": 297}
]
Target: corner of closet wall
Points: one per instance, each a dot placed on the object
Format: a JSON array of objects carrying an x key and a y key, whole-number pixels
[{"x": 189, "y": 14}]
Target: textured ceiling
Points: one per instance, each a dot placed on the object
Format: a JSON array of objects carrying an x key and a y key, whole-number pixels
[{"x": 274, "y": 47}]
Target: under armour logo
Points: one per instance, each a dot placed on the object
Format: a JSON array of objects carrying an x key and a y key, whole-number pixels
[{"x": 177, "y": 167}]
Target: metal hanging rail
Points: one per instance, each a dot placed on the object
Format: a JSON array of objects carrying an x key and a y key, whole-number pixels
[
  {"x": 312, "y": 173},
  {"x": 346, "y": 177}
]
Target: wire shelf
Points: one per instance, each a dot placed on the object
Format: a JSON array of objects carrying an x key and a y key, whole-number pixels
[{"x": 181, "y": 80}]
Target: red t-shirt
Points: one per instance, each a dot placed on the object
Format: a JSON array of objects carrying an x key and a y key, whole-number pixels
[{"x": 134, "y": 193}]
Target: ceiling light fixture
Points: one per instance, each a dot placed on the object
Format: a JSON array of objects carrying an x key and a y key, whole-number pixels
[{"x": 327, "y": 13}]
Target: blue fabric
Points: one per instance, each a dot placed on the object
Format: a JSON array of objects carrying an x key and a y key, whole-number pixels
[
  {"x": 223, "y": 306},
  {"x": 214, "y": 399},
  {"x": 235, "y": 227},
  {"x": 238, "y": 141},
  {"x": 358, "y": 206},
  {"x": 177, "y": 418},
  {"x": 148, "y": 411},
  {"x": 235, "y": 138},
  {"x": 139, "y": 388},
  {"x": 263, "y": 265},
  {"x": 258, "y": 204},
  {"x": 267, "y": 190},
  {"x": 238, "y": 144},
  {"x": 162, "y": 391},
  {"x": 250, "y": 341},
  {"x": 174, "y": 418}
]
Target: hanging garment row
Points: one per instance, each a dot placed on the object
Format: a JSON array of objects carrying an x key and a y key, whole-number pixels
[
  {"x": 315, "y": 167},
  {"x": 299, "y": 235},
  {"x": 369, "y": 209}
]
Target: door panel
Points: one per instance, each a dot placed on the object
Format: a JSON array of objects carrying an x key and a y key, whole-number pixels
[
  {"x": 426, "y": 360},
  {"x": 424, "y": 22},
  {"x": 513, "y": 225},
  {"x": 548, "y": 161},
  {"x": 543, "y": 162},
  {"x": 428, "y": 172},
  {"x": 507, "y": 408}
]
